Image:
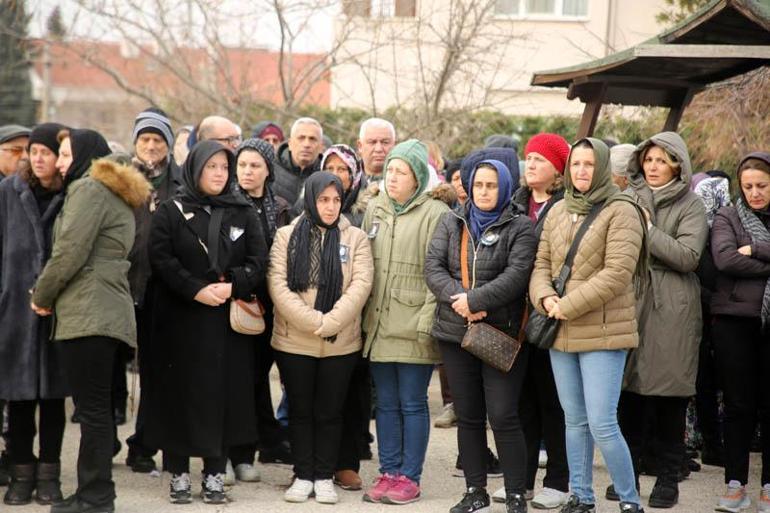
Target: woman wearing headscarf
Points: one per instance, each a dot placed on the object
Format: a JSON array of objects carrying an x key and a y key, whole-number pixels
[
  {"x": 740, "y": 245},
  {"x": 31, "y": 376},
  {"x": 542, "y": 418},
  {"x": 206, "y": 249},
  {"x": 320, "y": 277},
  {"x": 254, "y": 168},
  {"x": 501, "y": 250},
  {"x": 660, "y": 376},
  {"x": 85, "y": 285},
  {"x": 398, "y": 320},
  {"x": 597, "y": 317}
]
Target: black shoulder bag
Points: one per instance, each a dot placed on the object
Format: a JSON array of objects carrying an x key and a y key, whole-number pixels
[{"x": 541, "y": 330}]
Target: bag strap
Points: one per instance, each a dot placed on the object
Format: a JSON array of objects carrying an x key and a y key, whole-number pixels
[
  {"x": 215, "y": 226},
  {"x": 566, "y": 269},
  {"x": 464, "y": 259}
]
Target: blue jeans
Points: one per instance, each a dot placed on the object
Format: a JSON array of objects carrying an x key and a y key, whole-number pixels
[
  {"x": 589, "y": 388},
  {"x": 403, "y": 421}
]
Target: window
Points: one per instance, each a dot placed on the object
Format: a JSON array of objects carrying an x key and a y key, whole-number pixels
[
  {"x": 545, "y": 8},
  {"x": 381, "y": 8}
]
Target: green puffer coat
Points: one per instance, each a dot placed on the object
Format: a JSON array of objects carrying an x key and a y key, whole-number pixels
[
  {"x": 399, "y": 315},
  {"x": 86, "y": 279}
]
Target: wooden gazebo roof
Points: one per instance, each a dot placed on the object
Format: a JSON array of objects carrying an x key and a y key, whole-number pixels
[{"x": 723, "y": 39}]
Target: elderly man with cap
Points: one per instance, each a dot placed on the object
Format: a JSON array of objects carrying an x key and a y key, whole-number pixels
[
  {"x": 270, "y": 132},
  {"x": 620, "y": 155},
  {"x": 153, "y": 140},
  {"x": 13, "y": 148}
]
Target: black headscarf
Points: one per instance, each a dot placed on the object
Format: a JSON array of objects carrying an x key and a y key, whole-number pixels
[
  {"x": 87, "y": 146},
  {"x": 192, "y": 169},
  {"x": 305, "y": 268}
]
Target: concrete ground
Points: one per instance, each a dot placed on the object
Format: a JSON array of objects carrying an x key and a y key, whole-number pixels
[{"x": 142, "y": 493}]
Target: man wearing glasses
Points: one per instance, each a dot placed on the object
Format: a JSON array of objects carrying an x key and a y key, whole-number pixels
[
  {"x": 220, "y": 129},
  {"x": 13, "y": 148}
]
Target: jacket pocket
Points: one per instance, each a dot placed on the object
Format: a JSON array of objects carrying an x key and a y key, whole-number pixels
[{"x": 403, "y": 314}]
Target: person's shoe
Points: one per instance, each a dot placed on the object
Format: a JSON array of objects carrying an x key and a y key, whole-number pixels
[
  {"x": 735, "y": 498},
  {"x": 575, "y": 506},
  {"x": 22, "y": 485},
  {"x": 665, "y": 494},
  {"x": 325, "y": 492},
  {"x": 247, "y": 473},
  {"x": 515, "y": 503},
  {"x": 140, "y": 463},
  {"x": 213, "y": 489},
  {"x": 542, "y": 459},
  {"x": 763, "y": 506},
  {"x": 493, "y": 466},
  {"x": 402, "y": 491},
  {"x": 475, "y": 500},
  {"x": 180, "y": 489},
  {"x": 381, "y": 485},
  {"x": 299, "y": 491},
  {"x": 348, "y": 479},
  {"x": 629, "y": 507},
  {"x": 499, "y": 495},
  {"x": 48, "y": 487},
  {"x": 74, "y": 505},
  {"x": 714, "y": 456},
  {"x": 611, "y": 495},
  {"x": 447, "y": 419},
  {"x": 549, "y": 498},
  {"x": 281, "y": 453},
  {"x": 229, "y": 474}
]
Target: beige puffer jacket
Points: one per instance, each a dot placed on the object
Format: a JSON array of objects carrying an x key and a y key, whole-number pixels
[
  {"x": 295, "y": 318},
  {"x": 599, "y": 302}
]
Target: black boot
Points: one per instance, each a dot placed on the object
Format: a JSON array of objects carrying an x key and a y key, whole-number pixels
[
  {"x": 611, "y": 495},
  {"x": 665, "y": 493},
  {"x": 74, "y": 505},
  {"x": 22, "y": 485},
  {"x": 48, "y": 483}
]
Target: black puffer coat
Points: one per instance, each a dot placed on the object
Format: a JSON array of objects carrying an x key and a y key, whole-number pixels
[
  {"x": 501, "y": 264},
  {"x": 521, "y": 200}
]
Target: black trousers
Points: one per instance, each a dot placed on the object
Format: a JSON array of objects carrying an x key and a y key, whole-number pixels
[
  {"x": 89, "y": 363},
  {"x": 22, "y": 430},
  {"x": 665, "y": 436},
  {"x": 356, "y": 417},
  {"x": 317, "y": 389},
  {"x": 478, "y": 391},
  {"x": 542, "y": 419},
  {"x": 180, "y": 464},
  {"x": 742, "y": 353},
  {"x": 707, "y": 387},
  {"x": 136, "y": 442}
]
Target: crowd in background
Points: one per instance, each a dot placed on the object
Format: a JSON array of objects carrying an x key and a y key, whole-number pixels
[{"x": 364, "y": 269}]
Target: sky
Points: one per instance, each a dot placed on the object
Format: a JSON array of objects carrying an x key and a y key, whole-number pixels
[{"x": 250, "y": 23}]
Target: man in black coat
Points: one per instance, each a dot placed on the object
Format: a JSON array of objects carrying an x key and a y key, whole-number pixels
[
  {"x": 298, "y": 158},
  {"x": 153, "y": 140}
]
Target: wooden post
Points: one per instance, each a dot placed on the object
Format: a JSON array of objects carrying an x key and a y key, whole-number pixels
[
  {"x": 675, "y": 113},
  {"x": 591, "y": 112}
]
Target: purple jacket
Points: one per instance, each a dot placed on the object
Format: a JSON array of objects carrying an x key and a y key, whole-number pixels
[{"x": 741, "y": 280}]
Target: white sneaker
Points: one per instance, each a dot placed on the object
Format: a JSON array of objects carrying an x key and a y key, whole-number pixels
[
  {"x": 735, "y": 498},
  {"x": 247, "y": 473},
  {"x": 549, "y": 498},
  {"x": 499, "y": 495},
  {"x": 229, "y": 474},
  {"x": 325, "y": 492},
  {"x": 542, "y": 459},
  {"x": 299, "y": 491},
  {"x": 447, "y": 419}
]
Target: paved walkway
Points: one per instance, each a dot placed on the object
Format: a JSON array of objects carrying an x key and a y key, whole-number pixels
[{"x": 141, "y": 493}]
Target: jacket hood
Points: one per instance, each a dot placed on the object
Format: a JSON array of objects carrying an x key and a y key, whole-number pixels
[
  {"x": 674, "y": 145},
  {"x": 507, "y": 156},
  {"x": 124, "y": 181}
]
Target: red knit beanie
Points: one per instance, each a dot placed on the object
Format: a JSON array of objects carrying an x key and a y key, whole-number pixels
[{"x": 553, "y": 147}]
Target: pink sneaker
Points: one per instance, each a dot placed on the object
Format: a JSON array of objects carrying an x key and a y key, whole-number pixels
[
  {"x": 381, "y": 485},
  {"x": 402, "y": 491}
]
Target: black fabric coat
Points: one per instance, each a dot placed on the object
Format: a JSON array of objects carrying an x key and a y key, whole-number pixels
[
  {"x": 521, "y": 200},
  {"x": 30, "y": 364},
  {"x": 289, "y": 178},
  {"x": 740, "y": 283},
  {"x": 503, "y": 262},
  {"x": 205, "y": 374}
]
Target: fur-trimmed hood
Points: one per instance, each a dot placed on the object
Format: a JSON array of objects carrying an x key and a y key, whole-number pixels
[{"x": 124, "y": 181}]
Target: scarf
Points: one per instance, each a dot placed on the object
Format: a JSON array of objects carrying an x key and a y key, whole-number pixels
[
  {"x": 715, "y": 194},
  {"x": 355, "y": 168},
  {"x": 87, "y": 146},
  {"x": 190, "y": 195},
  {"x": 307, "y": 255},
  {"x": 479, "y": 220},
  {"x": 758, "y": 233}
]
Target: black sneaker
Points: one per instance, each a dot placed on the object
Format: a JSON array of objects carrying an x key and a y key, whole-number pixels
[
  {"x": 475, "y": 500},
  {"x": 74, "y": 505},
  {"x": 139, "y": 462},
  {"x": 515, "y": 503},
  {"x": 575, "y": 506},
  {"x": 611, "y": 495},
  {"x": 213, "y": 489},
  {"x": 180, "y": 489},
  {"x": 665, "y": 494},
  {"x": 493, "y": 466},
  {"x": 281, "y": 453},
  {"x": 627, "y": 507}
]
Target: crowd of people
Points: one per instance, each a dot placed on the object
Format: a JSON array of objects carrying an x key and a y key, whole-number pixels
[{"x": 359, "y": 271}]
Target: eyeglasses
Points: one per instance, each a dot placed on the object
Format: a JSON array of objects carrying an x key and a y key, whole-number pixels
[
  {"x": 14, "y": 150},
  {"x": 232, "y": 140}
]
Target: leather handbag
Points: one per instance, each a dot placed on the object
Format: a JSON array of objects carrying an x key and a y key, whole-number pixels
[
  {"x": 541, "y": 330},
  {"x": 247, "y": 317},
  {"x": 485, "y": 342}
]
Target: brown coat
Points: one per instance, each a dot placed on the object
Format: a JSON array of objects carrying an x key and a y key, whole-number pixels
[
  {"x": 295, "y": 318},
  {"x": 599, "y": 302}
]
